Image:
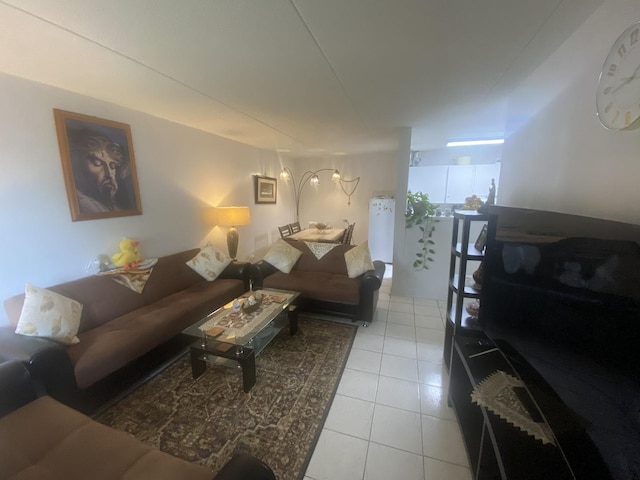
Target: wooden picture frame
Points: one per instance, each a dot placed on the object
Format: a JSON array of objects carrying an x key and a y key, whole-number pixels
[
  {"x": 481, "y": 241},
  {"x": 266, "y": 189},
  {"x": 98, "y": 165}
]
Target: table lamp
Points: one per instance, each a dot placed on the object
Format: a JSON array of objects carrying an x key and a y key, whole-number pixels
[{"x": 232, "y": 217}]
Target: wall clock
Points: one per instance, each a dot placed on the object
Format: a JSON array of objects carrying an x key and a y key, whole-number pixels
[{"x": 618, "y": 93}]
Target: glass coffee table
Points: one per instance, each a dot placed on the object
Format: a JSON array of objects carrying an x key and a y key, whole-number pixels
[{"x": 231, "y": 335}]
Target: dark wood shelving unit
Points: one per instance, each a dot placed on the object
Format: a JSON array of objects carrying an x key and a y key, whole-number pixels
[{"x": 463, "y": 251}]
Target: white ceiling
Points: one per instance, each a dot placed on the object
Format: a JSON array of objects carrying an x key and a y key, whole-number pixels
[{"x": 314, "y": 77}]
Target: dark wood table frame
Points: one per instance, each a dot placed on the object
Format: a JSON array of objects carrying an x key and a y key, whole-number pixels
[{"x": 244, "y": 355}]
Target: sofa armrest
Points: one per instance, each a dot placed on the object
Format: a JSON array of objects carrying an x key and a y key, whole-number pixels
[
  {"x": 238, "y": 270},
  {"x": 372, "y": 279},
  {"x": 47, "y": 361},
  {"x": 16, "y": 387},
  {"x": 259, "y": 271},
  {"x": 371, "y": 283},
  {"x": 243, "y": 466}
]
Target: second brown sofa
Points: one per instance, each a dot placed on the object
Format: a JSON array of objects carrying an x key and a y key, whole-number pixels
[{"x": 324, "y": 283}]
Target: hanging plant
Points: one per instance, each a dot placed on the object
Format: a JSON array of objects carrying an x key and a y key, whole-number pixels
[{"x": 421, "y": 213}]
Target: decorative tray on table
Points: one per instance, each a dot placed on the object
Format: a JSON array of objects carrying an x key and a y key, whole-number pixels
[{"x": 248, "y": 307}]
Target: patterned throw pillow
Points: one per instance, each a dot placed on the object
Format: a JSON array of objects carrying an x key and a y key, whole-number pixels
[
  {"x": 209, "y": 262},
  {"x": 282, "y": 255},
  {"x": 358, "y": 260},
  {"x": 50, "y": 315}
]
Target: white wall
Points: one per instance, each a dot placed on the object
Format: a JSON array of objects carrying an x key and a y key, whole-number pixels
[
  {"x": 559, "y": 157},
  {"x": 180, "y": 172}
]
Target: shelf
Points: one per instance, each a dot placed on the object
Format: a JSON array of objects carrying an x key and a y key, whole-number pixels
[
  {"x": 472, "y": 252},
  {"x": 472, "y": 215},
  {"x": 469, "y": 292},
  {"x": 467, "y": 322}
]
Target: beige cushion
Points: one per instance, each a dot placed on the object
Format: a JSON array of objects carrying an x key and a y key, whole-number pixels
[
  {"x": 49, "y": 314},
  {"x": 358, "y": 260},
  {"x": 209, "y": 262},
  {"x": 282, "y": 256}
]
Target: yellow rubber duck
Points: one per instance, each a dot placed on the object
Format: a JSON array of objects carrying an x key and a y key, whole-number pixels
[{"x": 128, "y": 256}]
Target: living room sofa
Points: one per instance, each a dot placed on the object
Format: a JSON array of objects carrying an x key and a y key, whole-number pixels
[
  {"x": 42, "y": 439},
  {"x": 324, "y": 282},
  {"x": 118, "y": 325}
]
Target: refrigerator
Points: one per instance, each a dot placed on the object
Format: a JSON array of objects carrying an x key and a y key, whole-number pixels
[{"x": 381, "y": 213}]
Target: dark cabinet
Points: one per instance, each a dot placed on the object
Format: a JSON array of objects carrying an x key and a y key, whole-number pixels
[
  {"x": 496, "y": 448},
  {"x": 560, "y": 314}
]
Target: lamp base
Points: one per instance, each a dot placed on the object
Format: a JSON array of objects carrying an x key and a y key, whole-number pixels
[{"x": 232, "y": 242}]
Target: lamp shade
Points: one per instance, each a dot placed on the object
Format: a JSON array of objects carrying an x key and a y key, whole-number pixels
[{"x": 233, "y": 216}]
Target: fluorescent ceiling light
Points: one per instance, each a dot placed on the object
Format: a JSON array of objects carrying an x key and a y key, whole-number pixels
[{"x": 466, "y": 143}]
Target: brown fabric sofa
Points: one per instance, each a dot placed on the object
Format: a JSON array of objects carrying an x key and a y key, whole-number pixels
[
  {"x": 324, "y": 283},
  {"x": 119, "y": 325},
  {"x": 42, "y": 439}
]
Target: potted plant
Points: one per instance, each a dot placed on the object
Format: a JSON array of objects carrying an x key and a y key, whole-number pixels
[{"x": 421, "y": 213}]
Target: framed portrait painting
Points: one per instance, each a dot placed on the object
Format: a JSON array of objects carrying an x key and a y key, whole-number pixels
[
  {"x": 265, "y": 189},
  {"x": 98, "y": 165}
]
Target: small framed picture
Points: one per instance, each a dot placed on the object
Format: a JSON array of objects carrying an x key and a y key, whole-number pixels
[
  {"x": 265, "y": 189},
  {"x": 482, "y": 239}
]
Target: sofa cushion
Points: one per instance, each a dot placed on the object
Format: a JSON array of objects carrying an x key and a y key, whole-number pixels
[
  {"x": 45, "y": 440},
  {"x": 329, "y": 287},
  {"x": 358, "y": 260},
  {"x": 209, "y": 262},
  {"x": 282, "y": 255},
  {"x": 50, "y": 315},
  {"x": 105, "y": 349}
]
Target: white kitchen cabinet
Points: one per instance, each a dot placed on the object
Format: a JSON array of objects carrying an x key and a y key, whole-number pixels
[
  {"x": 459, "y": 183},
  {"x": 430, "y": 180},
  {"x": 452, "y": 184}
]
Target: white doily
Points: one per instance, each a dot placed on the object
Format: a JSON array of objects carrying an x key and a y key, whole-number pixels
[{"x": 496, "y": 393}]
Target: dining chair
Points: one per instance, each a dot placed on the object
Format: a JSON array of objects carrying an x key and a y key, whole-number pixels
[
  {"x": 294, "y": 227},
  {"x": 284, "y": 230},
  {"x": 348, "y": 234}
]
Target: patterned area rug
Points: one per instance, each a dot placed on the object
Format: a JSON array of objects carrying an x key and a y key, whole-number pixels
[{"x": 208, "y": 419}]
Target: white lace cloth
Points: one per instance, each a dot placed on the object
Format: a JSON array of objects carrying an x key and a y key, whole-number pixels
[
  {"x": 496, "y": 393},
  {"x": 321, "y": 249}
]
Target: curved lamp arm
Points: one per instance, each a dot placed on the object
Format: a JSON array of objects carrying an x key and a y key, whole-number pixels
[{"x": 304, "y": 179}]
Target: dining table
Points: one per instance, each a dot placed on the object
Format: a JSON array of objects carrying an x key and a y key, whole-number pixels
[{"x": 327, "y": 235}]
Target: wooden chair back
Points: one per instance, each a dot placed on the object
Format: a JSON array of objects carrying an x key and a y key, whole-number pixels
[
  {"x": 295, "y": 227},
  {"x": 284, "y": 230},
  {"x": 348, "y": 234}
]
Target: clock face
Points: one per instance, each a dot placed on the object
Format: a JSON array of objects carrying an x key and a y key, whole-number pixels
[{"x": 618, "y": 95}]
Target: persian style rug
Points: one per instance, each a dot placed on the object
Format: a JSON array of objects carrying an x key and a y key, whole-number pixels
[{"x": 209, "y": 419}]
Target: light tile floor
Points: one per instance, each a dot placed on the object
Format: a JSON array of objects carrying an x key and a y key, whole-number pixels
[{"x": 389, "y": 418}]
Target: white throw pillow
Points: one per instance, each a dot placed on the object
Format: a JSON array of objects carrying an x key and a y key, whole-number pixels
[
  {"x": 50, "y": 315},
  {"x": 358, "y": 260},
  {"x": 209, "y": 262},
  {"x": 282, "y": 255}
]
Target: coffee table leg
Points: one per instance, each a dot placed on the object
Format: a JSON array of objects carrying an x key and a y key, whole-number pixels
[
  {"x": 198, "y": 366},
  {"x": 293, "y": 319},
  {"x": 248, "y": 366}
]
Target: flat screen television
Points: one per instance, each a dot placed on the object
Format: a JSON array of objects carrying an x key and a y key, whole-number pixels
[{"x": 566, "y": 314}]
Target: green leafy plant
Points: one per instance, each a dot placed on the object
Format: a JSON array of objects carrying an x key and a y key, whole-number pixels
[{"x": 421, "y": 213}]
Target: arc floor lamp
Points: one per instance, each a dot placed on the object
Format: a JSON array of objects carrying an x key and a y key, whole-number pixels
[{"x": 311, "y": 178}]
